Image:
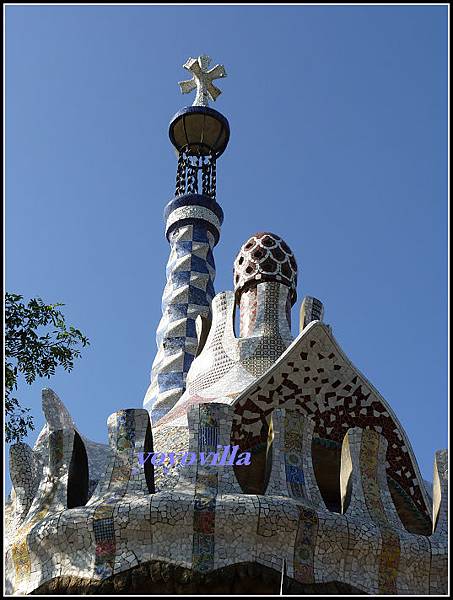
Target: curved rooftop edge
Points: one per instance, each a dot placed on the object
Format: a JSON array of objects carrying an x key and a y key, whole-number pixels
[{"x": 280, "y": 375}]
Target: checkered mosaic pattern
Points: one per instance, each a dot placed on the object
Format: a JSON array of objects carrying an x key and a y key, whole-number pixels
[{"x": 188, "y": 293}]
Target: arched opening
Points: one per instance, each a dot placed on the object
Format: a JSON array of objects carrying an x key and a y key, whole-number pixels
[
  {"x": 253, "y": 478},
  {"x": 148, "y": 466},
  {"x": 202, "y": 326},
  {"x": 412, "y": 519},
  {"x": 326, "y": 456},
  {"x": 77, "y": 492}
]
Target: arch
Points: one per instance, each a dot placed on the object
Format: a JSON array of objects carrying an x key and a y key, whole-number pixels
[{"x": 78, "y": 474}]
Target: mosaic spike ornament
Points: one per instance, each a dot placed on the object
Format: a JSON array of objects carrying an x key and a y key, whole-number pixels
[
  {"x": 325, "y": 497},
  {"x": 202, "y": 80}
]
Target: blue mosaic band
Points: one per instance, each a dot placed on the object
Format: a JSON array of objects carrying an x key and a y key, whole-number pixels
[
  {"x": 193, "y": 229},
  {"x": 191, "y": 209},
  {"x": 194, "y": 200}
]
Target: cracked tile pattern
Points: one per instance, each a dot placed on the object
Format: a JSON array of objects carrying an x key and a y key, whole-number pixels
[{"x": 196, "y": 516}]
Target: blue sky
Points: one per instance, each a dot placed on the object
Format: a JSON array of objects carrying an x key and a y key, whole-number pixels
[{"x": 338, "y": 119}]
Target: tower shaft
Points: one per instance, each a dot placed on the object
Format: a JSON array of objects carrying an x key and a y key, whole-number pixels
[{"x": 193, "y": 229}]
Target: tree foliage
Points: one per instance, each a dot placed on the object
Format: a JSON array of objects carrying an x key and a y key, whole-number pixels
[{"x": 37, "y": 341}]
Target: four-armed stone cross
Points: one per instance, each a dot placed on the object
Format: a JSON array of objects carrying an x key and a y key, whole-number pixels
[{"x": 202, "y": 80}]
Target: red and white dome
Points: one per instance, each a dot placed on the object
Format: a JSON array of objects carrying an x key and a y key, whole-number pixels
[{"x": 265, "y": 257}]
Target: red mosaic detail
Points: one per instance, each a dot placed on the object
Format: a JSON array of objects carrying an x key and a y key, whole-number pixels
[
  {"x": 312, "y": 385},
  {"x": 265, "y": 257}
]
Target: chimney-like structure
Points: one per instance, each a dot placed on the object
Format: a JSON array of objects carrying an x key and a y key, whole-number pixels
[
  {"x": 265, "y": 274},
  {"x": 193, "y": 219}
]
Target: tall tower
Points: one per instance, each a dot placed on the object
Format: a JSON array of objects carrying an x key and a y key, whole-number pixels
[{"x": 193, "y": 219}]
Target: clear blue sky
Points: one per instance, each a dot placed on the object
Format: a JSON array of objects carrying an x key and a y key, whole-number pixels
[{"x": 338, "y": 120}]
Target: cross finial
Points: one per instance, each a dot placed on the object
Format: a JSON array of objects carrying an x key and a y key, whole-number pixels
[{"x": 202, "y": 80}]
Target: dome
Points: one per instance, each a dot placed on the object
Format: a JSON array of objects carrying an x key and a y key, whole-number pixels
[{"x": 265, "y": 257}]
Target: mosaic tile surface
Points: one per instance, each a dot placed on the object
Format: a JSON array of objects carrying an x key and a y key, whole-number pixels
[
  {"x": 318, "y": 380},
  {"x": 188, "y": 294},
  {"x": 92, "y": 512},
  {"x": 205, "y": 522}
]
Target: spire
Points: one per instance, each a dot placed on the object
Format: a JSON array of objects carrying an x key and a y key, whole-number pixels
[{"x": 193, "y": 219}]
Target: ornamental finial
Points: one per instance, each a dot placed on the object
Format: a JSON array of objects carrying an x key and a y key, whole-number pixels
[{"x": 202, "y": 80}]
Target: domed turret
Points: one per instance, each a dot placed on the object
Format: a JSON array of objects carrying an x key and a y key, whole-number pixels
[
  {"x": 265, "y": 279},
  {"x": 265, "y": 257}
]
